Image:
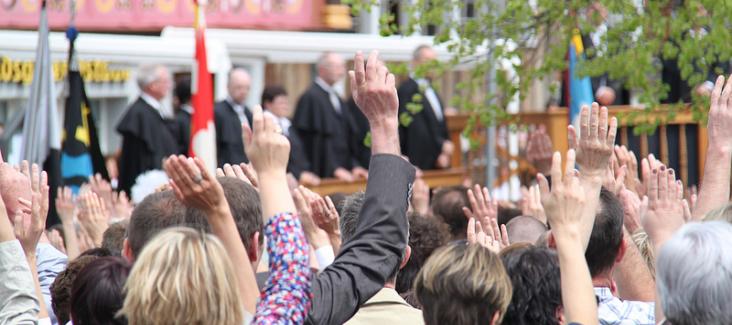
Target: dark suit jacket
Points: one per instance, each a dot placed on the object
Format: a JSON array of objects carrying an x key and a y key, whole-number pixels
[
  {"x": 422, "y": 139},
  {"x": 325, "y": 134},
  {"x": 229, "y": 144},
  {"x": 183, "y": 120},
  {"x": 298, "y": 161},
  {"x": 374, "y": 252},
  {"x": 147, "y": 139}
]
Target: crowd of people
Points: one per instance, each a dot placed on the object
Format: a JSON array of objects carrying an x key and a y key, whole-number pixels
[{"x": 611, "y": 242}]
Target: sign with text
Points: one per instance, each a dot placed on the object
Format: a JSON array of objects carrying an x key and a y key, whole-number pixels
[
  {"x": 21, "y": 72},
  {"x": 153, "y": 15}
]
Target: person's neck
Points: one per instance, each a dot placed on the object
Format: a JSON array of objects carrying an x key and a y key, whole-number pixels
[
  {"x": 605, "y": 280},
  {"x": 390, "y": 284}
]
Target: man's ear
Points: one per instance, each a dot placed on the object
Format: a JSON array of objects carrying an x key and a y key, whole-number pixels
[
  {"x": 550, "y": 241},
  {"x": 407, "y": 255},
  {"x": 622, "y": 249},
  {"x": 253, "y": 251},
  {"x": 496, "y": 317},
  {"x": 559, "y": 314},
  {"x": 127, "y": 251}
]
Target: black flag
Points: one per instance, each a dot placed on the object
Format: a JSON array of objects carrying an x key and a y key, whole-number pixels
[{"x": 81, "y": 156}]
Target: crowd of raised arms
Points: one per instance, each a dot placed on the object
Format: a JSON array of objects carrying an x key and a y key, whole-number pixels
[{"x": 600, "y": 238}]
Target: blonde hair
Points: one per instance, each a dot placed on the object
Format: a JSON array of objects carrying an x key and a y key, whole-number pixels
[
  {"x": 183, "y": 276},
  {"x": 463, "y": 284}
]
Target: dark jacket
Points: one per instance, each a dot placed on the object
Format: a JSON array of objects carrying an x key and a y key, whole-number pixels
[
  {"x": 147, "y": 139},
  {"x": 375, "y": 250},
  {"x": 422, "y": 139},
  {"x": 229, "y": 142}
]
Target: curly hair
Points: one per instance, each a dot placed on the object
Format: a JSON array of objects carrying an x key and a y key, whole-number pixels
[
  {"x": 537, "y": 293},
  {"x": 426, "y": 234}
]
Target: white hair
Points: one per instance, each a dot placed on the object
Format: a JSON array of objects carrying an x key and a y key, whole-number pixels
[
  {"x": 147, "y": 74},
  {"x": 694, "y": 274}
]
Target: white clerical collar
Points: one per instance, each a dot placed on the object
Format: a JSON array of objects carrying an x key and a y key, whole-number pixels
[
  {"x": 150, "y": 100},
  {"x": 283, "y": 122},
  {"x": 187, "y": 108},
  {"x": 320, "y": 82}
]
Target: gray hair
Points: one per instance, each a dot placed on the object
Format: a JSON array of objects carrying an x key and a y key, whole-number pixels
[
  {"x": 721, "y": 213},
  {"x": 147, "y": 74},
  {"x": 694, "y": 274},
  {"x": 417, "y": 54},
  {"x": 323, "y": 59},
  {"x": 349, "y": 214}
]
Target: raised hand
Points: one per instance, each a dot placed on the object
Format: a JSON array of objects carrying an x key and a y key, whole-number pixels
[
  {"x": 325, "y": 215},
  {"x": 374, "y": 91},
  {"x": 102, "y": 188},
  {"x": 719, "y": 125},
  {"x": 65, "y": 205},
  {"x": 481, "y": 205},
  {"x": 614, "y": 180},
  {"x": 267, "y": 149},
  {"x": 420, "y": 197},
  {"x": 563, "y": 202},
  {"x": 627, "y": 158},
  {"x": 595, "y": 144},
  {"x": 666, "y": 207},
  {"x": 121, "y": 206},
  {"x": 35, "y": 211},
  {"x": 315, "y": 235},
  {"x": 93, "y": 216},
  {"x": 539, "y": 150},
  {"x": 194, "y": 186},
  {"x": 631, "y": 210},
  {"x": 244, "y": 172}
]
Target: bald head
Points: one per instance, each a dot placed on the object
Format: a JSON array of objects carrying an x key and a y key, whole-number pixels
[
  {"x": 331, "y": 67},
  {"x": 524, "y": 229},
  {"x": 13, "y": 185},
  {"x": 239, "y": 83}
]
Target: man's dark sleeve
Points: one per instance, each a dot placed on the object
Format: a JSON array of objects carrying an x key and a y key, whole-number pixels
[{"x": 366, "y": 261}]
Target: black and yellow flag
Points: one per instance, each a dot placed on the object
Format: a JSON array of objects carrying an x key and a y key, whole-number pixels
[{"x": 81, "y": 156}]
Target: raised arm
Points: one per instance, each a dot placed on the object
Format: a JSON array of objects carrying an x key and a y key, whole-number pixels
[
  {"x": 567, "y": 217},
  {"x": 286, "y": 296},
  {"x": 594, "y": 147},
  {"x": 18, "y": 301},
  {"x": 714, "y": 191},
  {"x": 195, "y": 187},
  {"x": 367, "y": 259}
]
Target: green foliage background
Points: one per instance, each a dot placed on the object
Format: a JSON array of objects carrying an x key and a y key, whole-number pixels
[{"x": 640, "y": 34}]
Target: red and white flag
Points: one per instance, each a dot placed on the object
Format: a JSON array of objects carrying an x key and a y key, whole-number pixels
[{"x": 203, "y": 132}]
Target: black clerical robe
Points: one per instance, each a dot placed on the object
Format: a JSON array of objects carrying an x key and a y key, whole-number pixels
[
  {"x": 298, "y": 161},
  {"x": 229, "y": 142},
  {"x": 326, "y": 134},
  {"x": 360, "y": 150},
  {"x": 147, "y": 138},
  {"x": 183, "y": 119},
  {"x": 422, "y": 139}
]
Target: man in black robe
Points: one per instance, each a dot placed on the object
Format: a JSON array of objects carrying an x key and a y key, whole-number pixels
[
  {"x": 148, "y": 134},
  {"x": 425, "y": 140},
  {"x": 183, "y": 113},
  {"x": 276, "y": 105},
  {"x": 325, "y": 125},
  {"x": 229, "y": 115}
]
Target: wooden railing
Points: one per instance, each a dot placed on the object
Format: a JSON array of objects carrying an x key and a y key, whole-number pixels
[
  {"x": 433, "y": 178},
  {"x": 680, "y": 142},
  {"x": 686, "y": 154}
]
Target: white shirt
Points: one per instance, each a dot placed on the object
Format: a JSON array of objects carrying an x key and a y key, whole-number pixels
[
  {"x": 332, "y": 94},
  {"x": 283, "y": 122},
  {"x": 150, "y": 100},
  {"x": 431, "y": 96},
  {"x": 240, "y": 111},
  {"x": 611, "y": 310}
]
